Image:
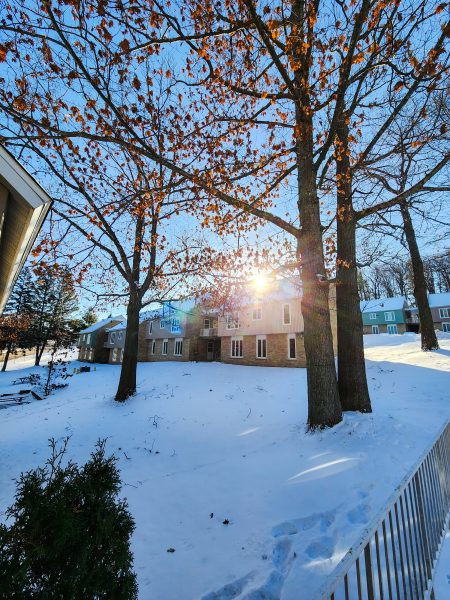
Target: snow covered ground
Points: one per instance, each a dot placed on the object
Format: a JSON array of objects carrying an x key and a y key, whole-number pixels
[{"x": 216, "y": 464}]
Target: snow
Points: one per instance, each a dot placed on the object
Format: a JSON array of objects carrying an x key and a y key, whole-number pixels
[
  {"x": 102, "y": 323},
  {"x": 442, "y": 576},
  {"x": 397, "y": 303},
  {"x": 437, "y": 300},
  {"x": 202, "y": 444}
]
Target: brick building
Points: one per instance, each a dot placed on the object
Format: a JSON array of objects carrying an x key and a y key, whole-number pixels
[{"x": 92, "y": 343}]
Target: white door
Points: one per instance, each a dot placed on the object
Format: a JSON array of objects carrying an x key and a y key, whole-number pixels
[
  {"x": 375, "y": 329},
  {"x": 210, "y": 351},
  {"x": 446, "y": 327},
  {"x": 392, "y": 329}
]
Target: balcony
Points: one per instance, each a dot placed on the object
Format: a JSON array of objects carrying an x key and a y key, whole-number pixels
[{"x": 209, "y": 332}]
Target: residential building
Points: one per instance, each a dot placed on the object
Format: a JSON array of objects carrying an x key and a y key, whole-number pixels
[
  {"x": 92, "y": 341},
  {"x": 440, "y": 310},
  {"x": 266, "y": 328},
  {"x": 386, "y": 315},
  {"x": 181, "y": 331},
  {"x": 115, "y": 342},
  {"x": 23, "y": 208}
]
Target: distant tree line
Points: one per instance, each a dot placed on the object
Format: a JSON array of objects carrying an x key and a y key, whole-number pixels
[
  {"x": 40, "y": 312},
  {"x": 396, "y": 278}
]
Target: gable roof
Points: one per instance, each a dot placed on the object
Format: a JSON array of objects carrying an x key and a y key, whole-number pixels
[
  {"x": 437, "y": 300},
  {"x": 382, "y": 304},
  {"x": 102, "y": 323}
]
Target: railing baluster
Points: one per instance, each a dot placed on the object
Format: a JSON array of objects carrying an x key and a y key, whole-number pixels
[{"x": 414, "y": 520}]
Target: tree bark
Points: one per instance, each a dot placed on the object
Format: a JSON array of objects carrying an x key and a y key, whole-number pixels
[
  {"x": 127, "y": 382},
  {"x": 352, "y": 379},
  {"x": 324, "y": 409},
  {"x": 5, "y": 360},
  {"x": 427, "y": 332}
]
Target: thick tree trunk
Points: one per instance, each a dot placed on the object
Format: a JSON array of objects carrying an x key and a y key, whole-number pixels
[
  {"x": 427, "y": 332},
  {"x": 127, "y": 382},
  {"x": 324, "y": 409},
  {"x": 352, "y": 379},
  {"x": 38, "y": 354},
  {"x": 5, "y": 360}
]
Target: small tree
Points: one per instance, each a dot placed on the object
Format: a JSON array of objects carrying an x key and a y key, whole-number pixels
[{"x": 70, "y": 536}]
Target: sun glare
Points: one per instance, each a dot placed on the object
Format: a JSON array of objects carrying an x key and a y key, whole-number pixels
[{"x": 260, "y": 282}]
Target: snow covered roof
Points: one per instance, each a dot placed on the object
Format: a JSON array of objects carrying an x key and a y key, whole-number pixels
[
  {"x": 119, "y": 327},
  {"x": 437, "y": 300},
  {"x": 396, "y": 303},
  {"x": 102, "y": 323}
]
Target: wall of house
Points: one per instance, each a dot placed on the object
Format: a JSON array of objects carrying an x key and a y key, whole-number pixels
[
  {"x": 399, "y": 317},
  {"x": 437, "y": 319},
  {"x": 401, "y": 327},
  {"x": 277, "y": 351}
]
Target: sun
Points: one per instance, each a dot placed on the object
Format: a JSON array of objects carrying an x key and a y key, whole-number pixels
[{"x": 260, "y": 282}]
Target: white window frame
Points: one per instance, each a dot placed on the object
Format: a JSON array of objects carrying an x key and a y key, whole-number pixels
[
  {"x": 373, "y": 316},
  {"x": 257, "y": 313},
  {"x": 394, "y": 328},
  {"x": 388, "y": 315},
  {"x": 165, "y": 346},
  {"x": 446, "y": 326},
  {"x": 262, "y": 346},
  {"x": 153, "y": 348},
  {"x": 150, "y": 327},
  {"x": 375, "y": 329},
  {"x": 288, "y": 304},
  {"x": 444, "y": 313},
  {"x": 112, "y": 338},
  {"x": 114, "y": 354},
  {"x": 232, "y": 321},
  {"x": 88, "y": 338},
  {"x": 162, "y": 324},
  {"x": 234, "y": 346},
  {"x": 121, "y": 355},
  {"x": 178, "y": 342},
  {"x": 207, "y": 323},
  {"x": 291, "y": 336},
  {"x": 120, "y": 336}
]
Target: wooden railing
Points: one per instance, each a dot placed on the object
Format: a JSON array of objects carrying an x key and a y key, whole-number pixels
[{"x": 396, "y": 556}]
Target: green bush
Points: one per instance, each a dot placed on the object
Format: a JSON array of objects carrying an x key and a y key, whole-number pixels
[{"x": 70, "y": 536}]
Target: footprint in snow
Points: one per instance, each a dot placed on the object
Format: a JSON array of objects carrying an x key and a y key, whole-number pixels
[
  {"x": 359, "y": 515},
  {"x": 304, "y": 524},
  {"x": 321, "y": 548}
]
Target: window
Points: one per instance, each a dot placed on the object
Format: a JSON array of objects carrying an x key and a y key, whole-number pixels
[
  {"x": 444, "y": 313},
  {"x": 392, "y": 329},
  {"x": 207, "y": 323},
  {"x": 446, "y": 327},
  {"x": 153, "y": 346},
  {"x": 119, "y": 336},
  {"x": 236, "y": 347},
  {"x": 261, "y": 346},
  {"x": 150, "y": 327},
  {"x": 376, "y": 329},
  {"x": 257, "y": 313},
  {"x": 373, "y": 316},
  {"x": 162, "y": 324},
  {"x": 176, "y": 326},
  {"x": 233, "y": 321},
  {"x": 113, "y": 338},
  {"x": 121, "y": 355},
  {"x": 114, "y": 354},
  {"x": 165, "y": 346},
  {"x": 286, "y": 314},
  {"x": 178, "y": 351},
  {"x": 292, "y": 346},
  {"x": 88, "y": 338},
  {"x": 389, "y": 316}
]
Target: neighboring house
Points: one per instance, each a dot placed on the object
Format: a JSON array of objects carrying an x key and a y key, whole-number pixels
[
  {"x": 440, "y": 310},
  {"x": 267, "y": 328},
  {"x": 23, "y": 208},
  {"x": 115, "y": 342},
  {"x": 92, "y": 341},
  {"x": 386, "y": 315},
  {"x": 181, "y": 331}
]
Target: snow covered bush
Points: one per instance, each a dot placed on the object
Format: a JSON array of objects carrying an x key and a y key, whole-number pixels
[{"x": 70, "y": 535}]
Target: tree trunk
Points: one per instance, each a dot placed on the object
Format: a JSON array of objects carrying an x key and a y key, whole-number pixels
[
  {"x": 352, "y": 379},
  {"x": 127, "y": 382},
  {"x": 427, "y": 332},
  {"x": 324, "y": 409},
  {"x": 5, "y": 360},
  {"x": 38, "y": 355}
]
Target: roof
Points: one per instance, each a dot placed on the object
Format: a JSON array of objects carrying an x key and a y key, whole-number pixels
[
  {"x": 437, "y": 300},
  {"x": 23, "y": 207},
  {"x": 381, "y": 304},
  {"x": 102, "y": 323}
]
